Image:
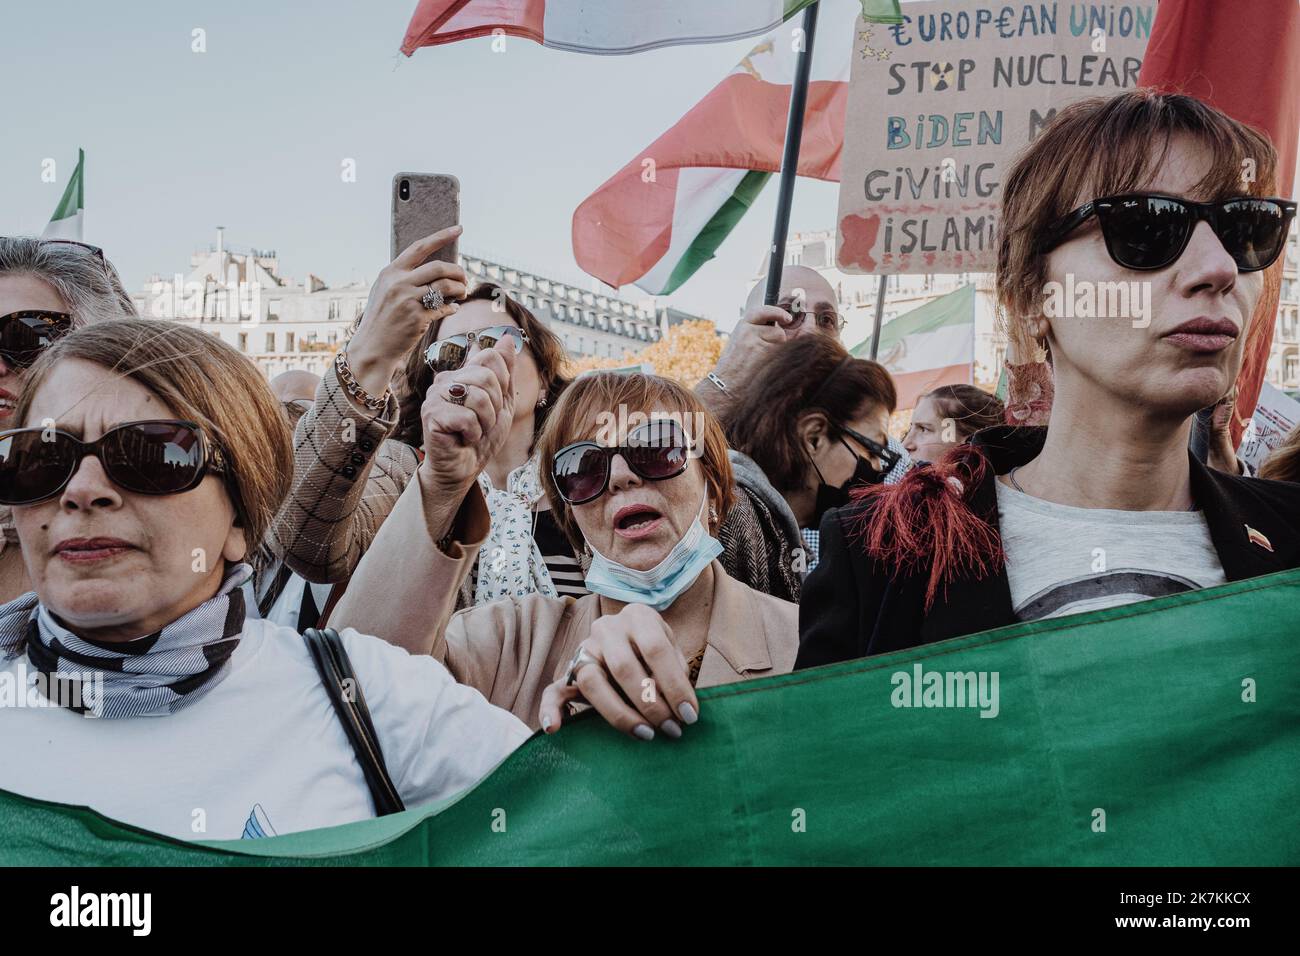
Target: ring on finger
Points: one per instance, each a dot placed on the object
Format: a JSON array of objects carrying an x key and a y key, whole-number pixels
[
  {"x": 580, "y": 658},
  {"x": 457, "y": 392},
  {"x": 433, "y": 299}
]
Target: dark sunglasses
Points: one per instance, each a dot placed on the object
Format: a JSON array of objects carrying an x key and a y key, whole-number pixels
[
  {"x": 888, "y": 457},
  {"x": 449, "y": 354},
  {"x": 655, "y": 451},
  {"x": 1147, "y": 231},
  {"x": 149, "y": 458},
  {"x": 25, "y": 335}
]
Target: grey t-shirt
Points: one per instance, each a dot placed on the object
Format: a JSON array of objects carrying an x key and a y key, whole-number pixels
[{"x": 1063, "y": 560}]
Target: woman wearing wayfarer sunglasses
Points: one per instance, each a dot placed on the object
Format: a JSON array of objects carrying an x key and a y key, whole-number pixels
[
  {"x": 47, "y": 288},
  {"x": 1105, "y": 505},
  {"x": 139, "y": 510},
  {"x": 636, "y": 470}
]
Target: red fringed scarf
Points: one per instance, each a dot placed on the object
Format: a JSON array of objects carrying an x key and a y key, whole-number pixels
[{"x": 926, "y": 520}]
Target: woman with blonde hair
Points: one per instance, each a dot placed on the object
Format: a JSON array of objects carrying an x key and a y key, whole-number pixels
[{"x": 139, "y": 490}]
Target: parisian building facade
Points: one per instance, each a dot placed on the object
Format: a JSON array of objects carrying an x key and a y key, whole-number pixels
[{"x": 283, "y": 323}]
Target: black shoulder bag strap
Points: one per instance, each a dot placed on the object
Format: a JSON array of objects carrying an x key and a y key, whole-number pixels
[{"x": 336, "y": 673}]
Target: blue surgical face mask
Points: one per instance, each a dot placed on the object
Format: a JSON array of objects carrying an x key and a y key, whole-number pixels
[{"x": 663, "y": 584}]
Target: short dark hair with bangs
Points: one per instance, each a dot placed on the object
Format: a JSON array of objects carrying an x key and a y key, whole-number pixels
[
  {"x": 1103, "y": 146},
  {"x": 593, "y": 396}
]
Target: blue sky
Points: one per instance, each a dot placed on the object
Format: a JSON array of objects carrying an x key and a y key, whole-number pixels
[{"x": 251, "y": 135}]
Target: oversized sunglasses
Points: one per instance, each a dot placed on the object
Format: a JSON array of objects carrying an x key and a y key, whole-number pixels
[
  {"x": 160, "y": 457},
  {"x": 654, "y": 451},
  {"x": 449, "y": 354},
  {"x": 25, "y": 335},
  {"x": 1147, "y": 231},
  {"x": 888, "y": 457}
]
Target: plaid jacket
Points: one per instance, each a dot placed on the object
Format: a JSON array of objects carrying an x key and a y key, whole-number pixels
[
  {"x": 347, "y": 476},
  {"x": 756, "y": 552}
]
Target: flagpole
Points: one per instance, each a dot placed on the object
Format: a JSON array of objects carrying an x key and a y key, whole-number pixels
[
  {"x": 880, "y": 314},
  {"x": 790, "y": 155}
]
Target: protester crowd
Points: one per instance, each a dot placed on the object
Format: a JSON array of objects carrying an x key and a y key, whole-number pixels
[{"x": 499, "y": 547}]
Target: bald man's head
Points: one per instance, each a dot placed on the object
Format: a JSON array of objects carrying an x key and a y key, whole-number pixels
[
  {"x": 295, "y": 385},
  {"x": 801, "y": 288}
]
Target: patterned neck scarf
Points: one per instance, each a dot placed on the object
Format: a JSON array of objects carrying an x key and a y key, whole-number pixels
[
  {"x": 148, "y": 677},
  {"x": 904, "y": 462},
  {"x": 510, "y": 563}
]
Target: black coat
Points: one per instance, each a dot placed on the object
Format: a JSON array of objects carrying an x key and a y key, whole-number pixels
[{"x": 854, "y": 606}]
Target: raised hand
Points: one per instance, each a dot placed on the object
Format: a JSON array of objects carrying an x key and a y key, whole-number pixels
[
  {"x": 395, "y": 316},
  {"x": 762, "y": 328},
  {"x": 466, "y": 417}
]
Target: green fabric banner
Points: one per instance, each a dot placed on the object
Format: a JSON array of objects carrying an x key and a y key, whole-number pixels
[{"x": 1161, "y": 733}]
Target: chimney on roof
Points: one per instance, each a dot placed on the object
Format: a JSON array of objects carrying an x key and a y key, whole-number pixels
[{"x": 221, "y": 240}]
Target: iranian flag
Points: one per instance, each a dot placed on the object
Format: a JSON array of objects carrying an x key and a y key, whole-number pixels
[
  {"x": 930, "y": 346},
  {"x": 69, "y": 217},
  {"x": 664, "y": 214},
  {"x": 585, "y": 26}
]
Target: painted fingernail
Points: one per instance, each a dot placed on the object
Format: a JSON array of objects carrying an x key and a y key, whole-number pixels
[
  {"x": 546, "y": 723},
  {"x": 643, "y": 731},
  {"x": 688, "y": 713},
  {"x": 671, "y": 728}
]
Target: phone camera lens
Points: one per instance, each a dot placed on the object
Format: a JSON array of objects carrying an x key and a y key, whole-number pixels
[{"x": 404, "y": 190}]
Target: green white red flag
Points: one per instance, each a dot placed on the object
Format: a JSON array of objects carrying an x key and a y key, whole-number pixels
[
  {"x": 69, "y": 217},
  {"x": 662, "y": 216},
  {"x": 932, "y": 345}
]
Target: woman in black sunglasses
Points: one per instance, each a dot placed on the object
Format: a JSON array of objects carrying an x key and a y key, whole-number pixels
[
  {"x": 47, "y": 288},
  {"x": 806, "y": 426},
  {"x": 1170, "y": 202},
  {"x": 637, "y": 473},
  {"x": 140, "y": 492}
]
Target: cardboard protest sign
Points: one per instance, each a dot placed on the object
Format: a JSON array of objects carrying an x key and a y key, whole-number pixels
[
  {"x": 1276, "y": 415},
  {"x": 940, "y": 104}
]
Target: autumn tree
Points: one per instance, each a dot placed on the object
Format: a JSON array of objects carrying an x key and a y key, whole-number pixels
[{"x": 686, "y": 354}]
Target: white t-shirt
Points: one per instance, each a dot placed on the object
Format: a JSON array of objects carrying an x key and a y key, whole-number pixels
[
  {"x": 263, "y": 753},
  {"x": 286, "y": 607},
  {"x": 1063, "y": 560}
]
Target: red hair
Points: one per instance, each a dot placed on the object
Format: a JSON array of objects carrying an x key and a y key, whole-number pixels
[{"x": 926, "y": 520}]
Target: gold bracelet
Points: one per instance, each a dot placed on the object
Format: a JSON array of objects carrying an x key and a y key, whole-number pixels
[{"x": 350, "y": 385}]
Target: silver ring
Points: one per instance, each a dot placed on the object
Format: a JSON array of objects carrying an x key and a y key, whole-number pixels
[
  {"x": 457, "y": 392},
  {"x": 579, "y": 659},
  {"x": 433, "y": 299}
]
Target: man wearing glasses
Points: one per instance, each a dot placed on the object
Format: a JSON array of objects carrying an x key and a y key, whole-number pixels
[{"x": 806, "y": 305}]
